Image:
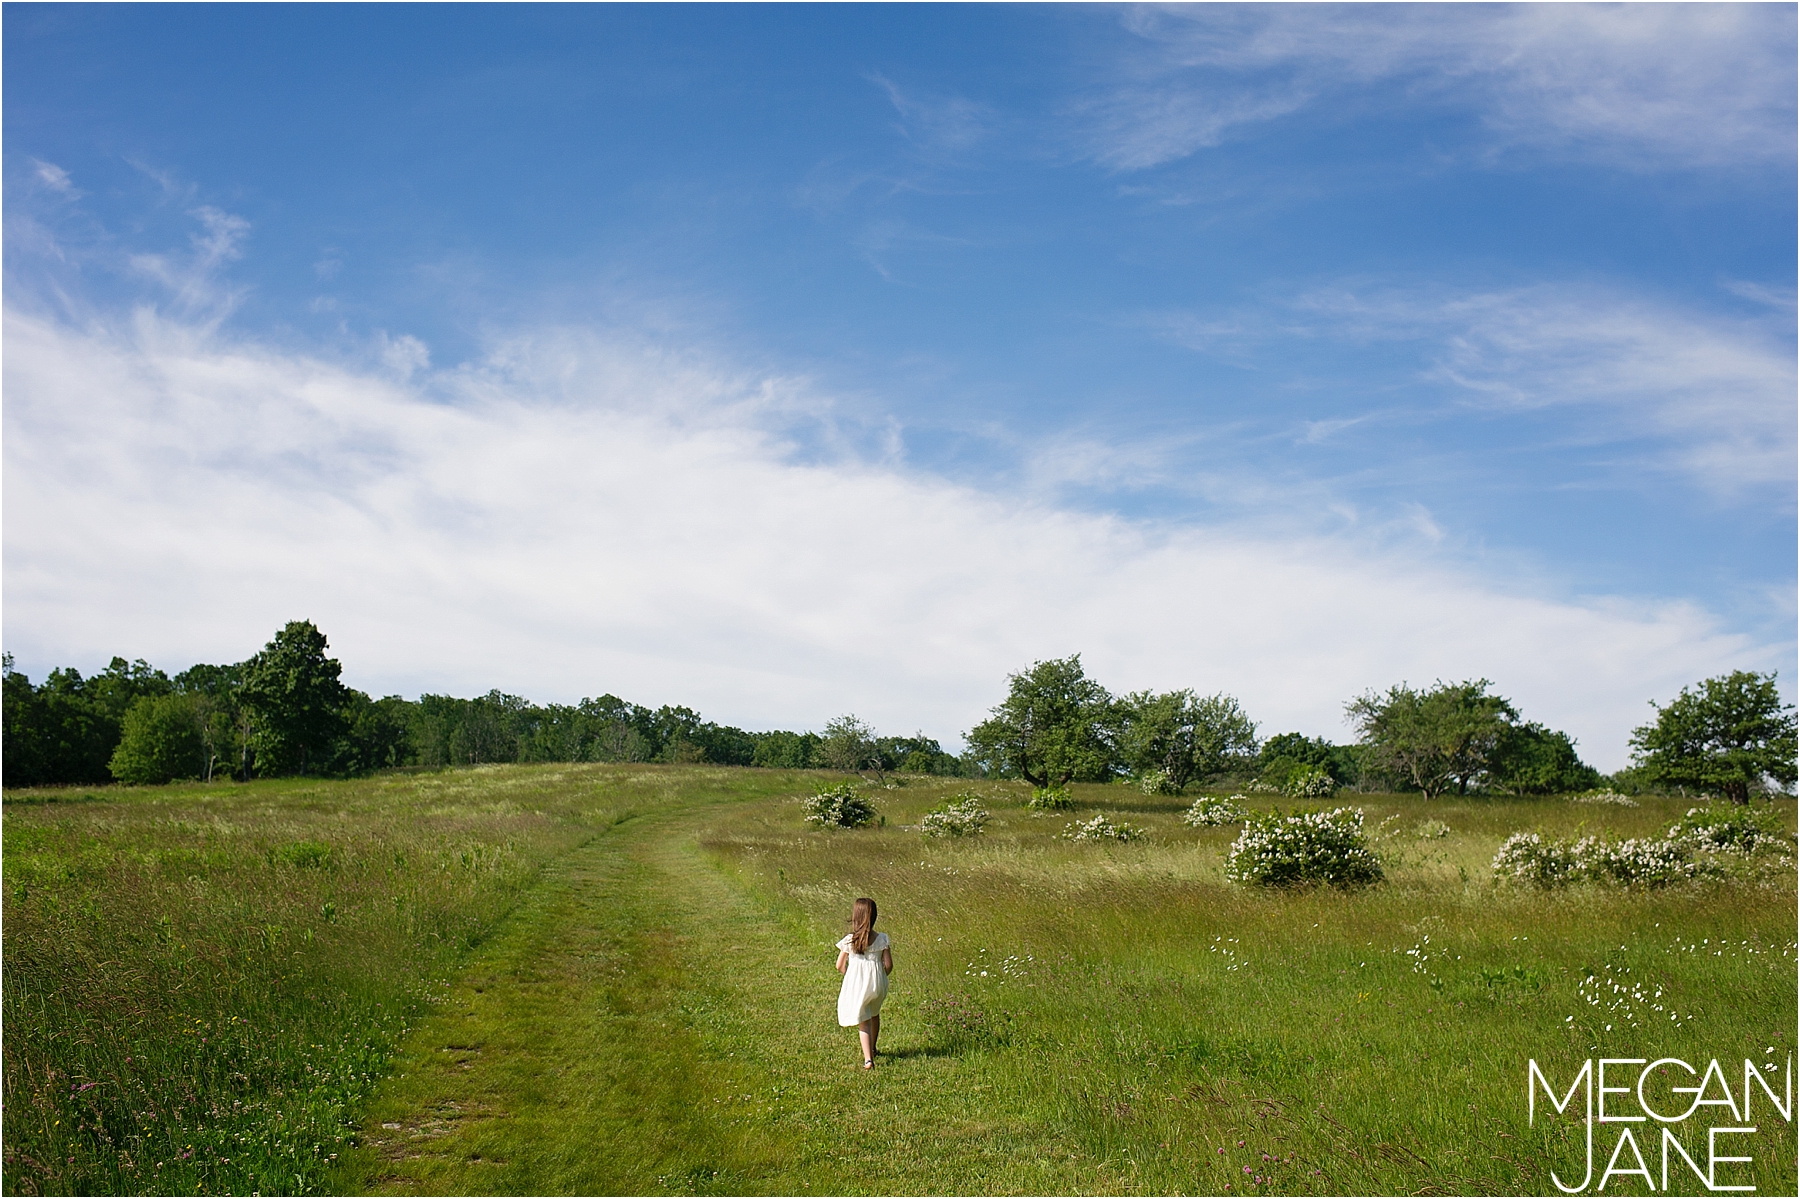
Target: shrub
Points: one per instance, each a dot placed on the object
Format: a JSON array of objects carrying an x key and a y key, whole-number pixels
[
  {"x": 1099, "y": 828},
  {"x": 1732, "y": 828},
  {"x": 1432, "y": 830},
  {"x": 1307, "y": 847},
  {"x": 959, "y": 816},
  {"x": 1156, "y": 782},
  {"x": 838, "y": 807},
  {"x": 1530, "y": 858},
  {"x": 1635, "y": 860},
  {"x": 1050, "y": 799},
  {"x": 1311, "y": 782},
  {"x": 1209, "y": 811},
  {"x": 1608, "y": 796},
  {"x": 1262, "y": 788}
]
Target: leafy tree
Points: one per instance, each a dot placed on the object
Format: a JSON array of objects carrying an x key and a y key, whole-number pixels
[
  {"x": 65, "y": 730},
  {"x": 1184, "y": 736},
  {"x": 1533, "y": 760},
  {"x": 1728, "y": 735},
  {"x": 1055, "y": 725},
  {"x": 378, "y": 734},
  {"x": 848, "y": 744},
  {"x": 1433, "y": 738},
  {"x": 784, "y": 751},
  {"x": 1287, "y": 756},
  {"x": 919, "y": 754},
  {"x": 294, "y": 700},
  {"x": 162, "y": 738}
]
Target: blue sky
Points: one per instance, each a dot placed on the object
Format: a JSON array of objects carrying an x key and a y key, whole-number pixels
[{"x": 790, "y": 361}]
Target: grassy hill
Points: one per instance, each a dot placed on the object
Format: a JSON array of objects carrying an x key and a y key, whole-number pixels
[{"x": 618, "y": 979}]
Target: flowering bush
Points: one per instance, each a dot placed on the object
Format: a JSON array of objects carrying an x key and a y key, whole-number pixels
[
  {"x": 1156, "y": 782},
  {"x": 1530, "y": 858},
  {"x": 1262, "y": 788},
  {"x": 1209, "y": 811},
  {"x": 1733, "y": 828},
  {"x": 1432, "y": 830},
  {"x": 1608, "y": 796},
  {"x": 1311, "y": 782},
  {"x": 959, "y": 816},
  {"x": 1307, "y": 847},
  {"x": 1101, "y": 829},
  {"x": 838, "y": 807},
  {"x": 1050, "y": 799}
]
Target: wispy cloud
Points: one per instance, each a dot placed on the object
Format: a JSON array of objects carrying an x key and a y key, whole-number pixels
[
  {"x": 937, "y": 122},
  {"x": 1644, "y": 86},
  {"x": 195, "y": 280},
  {"x": 55, "y": 178},
  {"x": 1709, "y": 396},
  {"x": 578, "y": 513}
]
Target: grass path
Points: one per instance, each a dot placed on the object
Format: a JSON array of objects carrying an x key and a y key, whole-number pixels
[{"x": 644, "y": 1024}]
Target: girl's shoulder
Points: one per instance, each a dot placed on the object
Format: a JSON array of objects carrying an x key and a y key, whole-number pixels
[
  {"x": 846, "y": 943},
  {"x": 878, "y": 942}
]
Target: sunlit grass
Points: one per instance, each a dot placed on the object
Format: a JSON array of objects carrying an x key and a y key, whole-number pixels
[{"x": 618, "y": 979}]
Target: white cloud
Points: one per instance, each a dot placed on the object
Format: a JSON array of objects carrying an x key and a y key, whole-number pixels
[
  {"x": 578, "y": 515},
  {"x": 55, "y": 178},
  {"x": 1718, "y": 394},
  {"x": 937, "y": 122},
  {"x": 1713, "y": 396},
  {"x": 195, "y": 281},
  {"x": 1643, "y": 85}
]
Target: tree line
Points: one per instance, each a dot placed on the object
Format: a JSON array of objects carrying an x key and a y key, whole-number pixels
[
  {"x": 1729, "y": 735},
  {"x": 285, "y": 710}
]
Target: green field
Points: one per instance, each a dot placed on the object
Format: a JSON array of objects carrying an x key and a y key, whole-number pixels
[{"x": 619, "y": 979}]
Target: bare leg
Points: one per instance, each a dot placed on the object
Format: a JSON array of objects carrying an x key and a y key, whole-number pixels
[
  {"x": 874, "y": 1032},
  {"x": 865, "y": 1033}
]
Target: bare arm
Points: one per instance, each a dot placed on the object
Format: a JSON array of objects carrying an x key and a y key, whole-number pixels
[
  {"x": 843, "y": 961},
  {"x": 887, "y": 961}
]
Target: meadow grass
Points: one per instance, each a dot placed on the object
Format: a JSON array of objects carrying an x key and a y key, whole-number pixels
[{"x": 618, "y": 979}]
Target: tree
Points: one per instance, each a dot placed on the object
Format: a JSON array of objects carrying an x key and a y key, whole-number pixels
[
  {"x": 849, "y": 745},
  {"x": 1728, "y": 735},
  {"x": 1433, "y": 738},
  {"x": 1533, "y": 760},
  {"x": 1055, "y": 725},
  {"x": 294, "y": 701},
  {"x": 162, "y": 738},
  {"x": 1286, "y": 755},
  {"x": 1184, "y": 736}
]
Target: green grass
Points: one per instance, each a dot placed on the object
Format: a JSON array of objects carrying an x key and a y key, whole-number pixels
[{"x": 618, "y": 979}]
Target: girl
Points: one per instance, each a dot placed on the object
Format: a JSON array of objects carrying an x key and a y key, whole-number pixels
[{"x": 865, "y": 961}]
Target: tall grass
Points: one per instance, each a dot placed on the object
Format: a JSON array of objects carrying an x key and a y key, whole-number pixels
[
  {"x": 201, "y": 984},
  {"x": 617, "y": 979}
]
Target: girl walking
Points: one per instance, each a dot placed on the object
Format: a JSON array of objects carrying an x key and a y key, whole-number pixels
[{"x": 865, "y": 961}]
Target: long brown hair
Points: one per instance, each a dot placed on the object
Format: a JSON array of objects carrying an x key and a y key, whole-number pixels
[{"x": 862, "y": 925}]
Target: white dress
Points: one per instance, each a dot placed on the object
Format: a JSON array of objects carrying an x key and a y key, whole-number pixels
[{"x": 865, "y": 982}]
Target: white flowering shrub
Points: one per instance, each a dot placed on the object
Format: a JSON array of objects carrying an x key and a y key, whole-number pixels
[
  {"x": 1099, "y": 828},
  {"x": 1262, "y": 788},
  {"x": 1209, "y": 811},
  {"x": 838, "y": 807},
  {"x": 1307, "y": 847},
  {"x": 1529, "y": 858},
  {"x": 1311, "y": 782},
  {"x": 1432, "y": 830},
  {"x": 1050, "y": 799},
  {"x": 1155, "y": 782},
  {"x": 1607, "y": 796},
  {"x": 1533, "y": 859},
  {"x": 959, "y": 816},
  {"x": 1733, "y": 828}
]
